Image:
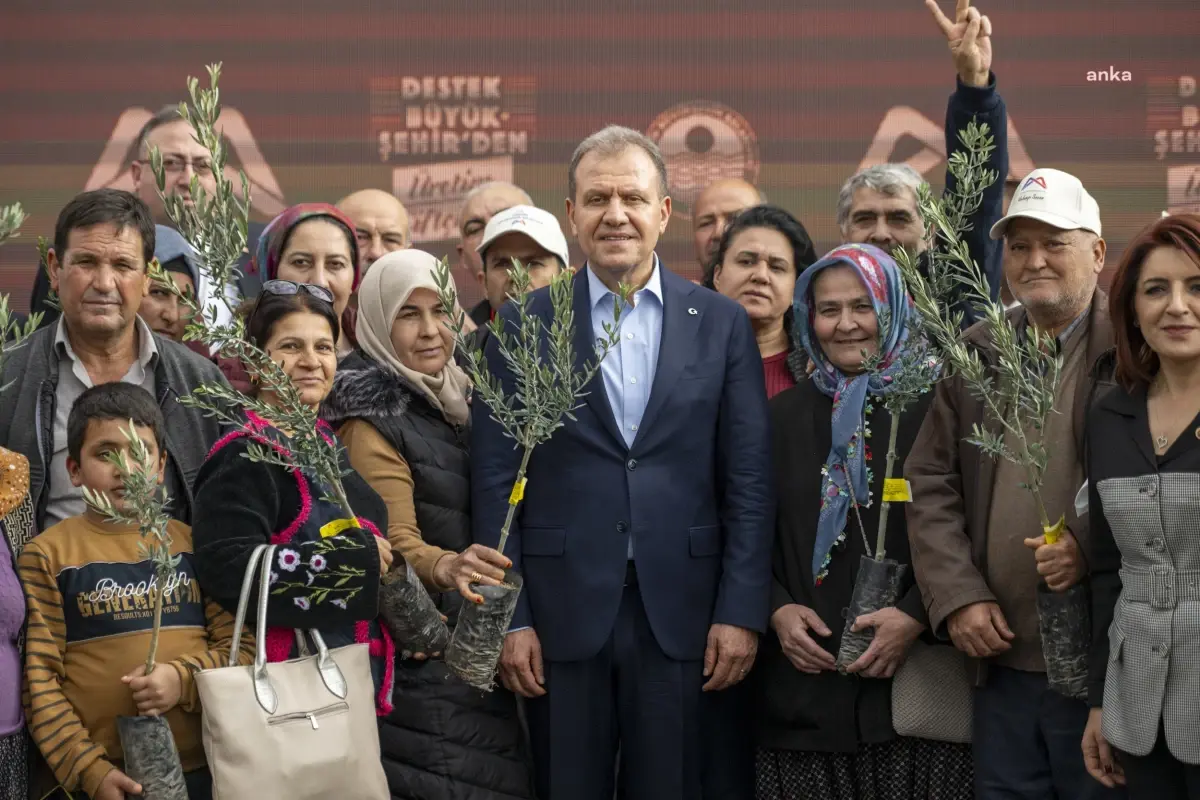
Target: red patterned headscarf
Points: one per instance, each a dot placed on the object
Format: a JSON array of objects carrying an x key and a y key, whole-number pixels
[{"x": 275, "y": 236}]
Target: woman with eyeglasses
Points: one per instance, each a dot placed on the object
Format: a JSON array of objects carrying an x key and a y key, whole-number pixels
[
  {"x": 400, "y": 404},
  {"x": 310, "y": 243},
  {"x": 326, "y": 573}
]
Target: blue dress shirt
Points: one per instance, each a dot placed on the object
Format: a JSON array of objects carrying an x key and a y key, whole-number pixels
[{"x": 628, "y": 369}]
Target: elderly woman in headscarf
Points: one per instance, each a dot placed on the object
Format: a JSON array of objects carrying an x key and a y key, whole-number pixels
[
  {"x": 823, "y": 734},
  {"x": 400, "y": 404}
]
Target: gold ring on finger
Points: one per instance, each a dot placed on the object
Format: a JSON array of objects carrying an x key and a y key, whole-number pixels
[{"x": 476, "y": 577}]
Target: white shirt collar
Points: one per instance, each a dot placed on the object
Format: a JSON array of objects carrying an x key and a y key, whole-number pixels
[{"x": 147, "y": 349}]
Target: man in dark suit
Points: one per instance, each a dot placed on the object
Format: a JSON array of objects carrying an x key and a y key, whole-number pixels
[{"x": 645, "y": 535}]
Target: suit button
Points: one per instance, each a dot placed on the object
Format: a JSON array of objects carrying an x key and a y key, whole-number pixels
[
  {"x": 631, "y": 464},
  {"x": 622, "y": 527}
]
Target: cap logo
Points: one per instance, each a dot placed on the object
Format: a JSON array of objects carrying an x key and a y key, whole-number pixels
[{"x": 1038, "y": 179}]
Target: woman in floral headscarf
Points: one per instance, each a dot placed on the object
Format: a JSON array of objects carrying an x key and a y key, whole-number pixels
[{"x": 823, "y": 734}]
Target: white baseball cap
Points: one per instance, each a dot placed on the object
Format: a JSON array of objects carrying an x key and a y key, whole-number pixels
[
  {"x": 1054, "y": 197},
  {"x": 539, "y": 225}
]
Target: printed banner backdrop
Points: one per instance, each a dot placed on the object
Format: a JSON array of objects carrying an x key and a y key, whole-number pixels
[{"x": 430, "y": 99}]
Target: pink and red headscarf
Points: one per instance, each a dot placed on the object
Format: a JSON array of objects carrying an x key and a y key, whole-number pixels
[{"x": 271, "y": 243}]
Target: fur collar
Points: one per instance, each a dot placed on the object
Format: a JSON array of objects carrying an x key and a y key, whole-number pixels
[{"x": 370, "y": 391}]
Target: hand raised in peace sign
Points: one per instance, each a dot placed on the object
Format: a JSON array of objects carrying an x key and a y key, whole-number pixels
[{"x": 969, "y": 36}]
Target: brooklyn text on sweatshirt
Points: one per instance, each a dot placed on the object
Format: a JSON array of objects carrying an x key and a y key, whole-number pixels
[{"x": 89, "y": 594}]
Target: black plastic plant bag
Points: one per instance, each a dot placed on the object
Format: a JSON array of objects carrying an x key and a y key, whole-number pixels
[
  {"x": 1065, "y": 624},
  {"x": 478, "y": 638},
  {"x": 151, "y": 757},
  {"x": 877, "y": 586},
  {"x": 410, "y": 615}
]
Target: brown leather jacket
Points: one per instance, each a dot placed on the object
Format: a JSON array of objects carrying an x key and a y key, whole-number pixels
[{"x": 952, "y": 481}]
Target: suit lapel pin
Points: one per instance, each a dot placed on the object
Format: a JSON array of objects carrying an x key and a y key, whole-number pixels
[{"x": 694, "y": 312}]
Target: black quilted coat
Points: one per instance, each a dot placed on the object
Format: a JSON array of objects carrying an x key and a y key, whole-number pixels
[{"x": 444, "y": 740}]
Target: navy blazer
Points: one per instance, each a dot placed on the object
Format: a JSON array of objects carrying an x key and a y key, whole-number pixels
[{"x": 694, "y": 490}]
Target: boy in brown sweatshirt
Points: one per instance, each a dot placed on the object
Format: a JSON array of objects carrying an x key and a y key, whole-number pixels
[{"x": 87, "y": 587}]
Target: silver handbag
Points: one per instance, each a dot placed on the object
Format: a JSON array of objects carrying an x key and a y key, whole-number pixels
[
  {"x": 932, "y": 696},
  {"x": 303, "y": 729}
]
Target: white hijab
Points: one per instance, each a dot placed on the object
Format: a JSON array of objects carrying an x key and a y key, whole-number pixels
[{"x": 385, "y": 289}]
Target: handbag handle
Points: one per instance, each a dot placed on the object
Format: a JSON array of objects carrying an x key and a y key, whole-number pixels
[
  {"x": 264, "y": 692},
  {"x": 239, "y": 618},
  {"x": 331, "y": 673}
]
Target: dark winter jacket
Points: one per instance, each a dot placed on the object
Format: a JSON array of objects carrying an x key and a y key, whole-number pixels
[
  {"x": 445, "y": 740},
  {"x": 828, "y": 712}
]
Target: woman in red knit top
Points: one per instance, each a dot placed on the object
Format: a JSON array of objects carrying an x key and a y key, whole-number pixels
[{"x": 762, "y": 252}]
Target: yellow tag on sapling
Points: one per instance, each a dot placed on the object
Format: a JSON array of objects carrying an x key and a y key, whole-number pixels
[
  {"x": 1053, "y": 533},
  {"x": 897, "y": 490},
  {"x": 518, "y": 492},
  {"x": 337, "y": 526}
]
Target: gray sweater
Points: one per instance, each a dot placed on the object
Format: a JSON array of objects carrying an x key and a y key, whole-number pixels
[{"x": 27, "y": 411}]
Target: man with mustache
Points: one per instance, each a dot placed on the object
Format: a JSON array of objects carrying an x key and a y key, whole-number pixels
[
  {"x": 645, "y": 534},
  {"x": 978, "y": 553},
  {"x": 103, "y": 241}
]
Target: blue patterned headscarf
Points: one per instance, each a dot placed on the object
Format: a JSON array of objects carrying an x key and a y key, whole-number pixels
[{"x": 846, "y": 463}]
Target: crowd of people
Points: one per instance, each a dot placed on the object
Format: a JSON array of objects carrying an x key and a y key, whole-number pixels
[{"x": 689, "y": 541}]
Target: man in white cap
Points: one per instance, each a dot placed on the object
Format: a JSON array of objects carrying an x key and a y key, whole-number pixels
[
  {"x": 978, "y": 552},
  {"x": 529, "y": 235},
  {"x": 479, "y": 206}
]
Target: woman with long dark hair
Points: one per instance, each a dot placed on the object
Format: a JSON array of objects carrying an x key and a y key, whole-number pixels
[{"x": 762, "y": 253}]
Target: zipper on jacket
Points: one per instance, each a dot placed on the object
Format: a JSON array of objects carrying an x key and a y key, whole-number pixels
[
  {"x": 47, "y": 396},
  {"x": 311, "y": 716}
]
